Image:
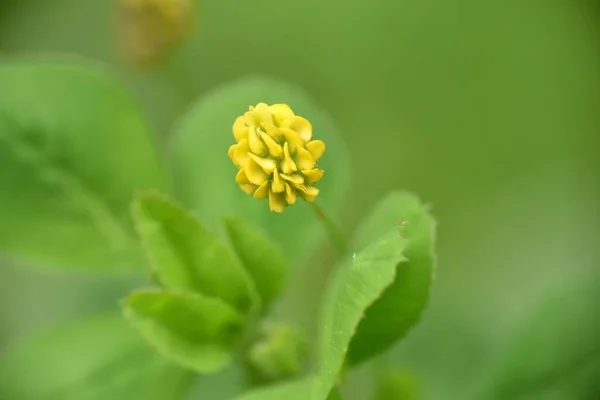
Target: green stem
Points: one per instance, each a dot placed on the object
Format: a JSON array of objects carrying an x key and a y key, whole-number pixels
[{"x": 335, "y": 233}]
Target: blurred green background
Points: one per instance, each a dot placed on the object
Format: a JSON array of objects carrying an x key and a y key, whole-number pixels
[{"x": 488, "y": 110}]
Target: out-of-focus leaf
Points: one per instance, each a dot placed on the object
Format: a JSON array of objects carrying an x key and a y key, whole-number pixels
[
  {"x": 294, "y": 390},
  {"x": 261, "y": 258},
  {"x": 96, "y": 359},
  {"x": 204, "y": 176},
  {"x": 352, "y": 291},
  {"x": 399, "y": 308},
  {"x": 73, "y": 151},
  {"x": 335, "y": 395},
  {"x": 226, "y": 384},
  {"x": 195, "y": 331},
  {"x": 396, "y": 384},
  {"x": 187, "y": 257},
  {"x": 558, "y": 352}
]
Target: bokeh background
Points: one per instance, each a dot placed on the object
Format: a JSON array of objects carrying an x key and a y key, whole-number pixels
[{"x": 488, "y": 110}]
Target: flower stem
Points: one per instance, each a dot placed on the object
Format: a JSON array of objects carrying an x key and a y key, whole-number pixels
[{"x": 335, "y": 233}]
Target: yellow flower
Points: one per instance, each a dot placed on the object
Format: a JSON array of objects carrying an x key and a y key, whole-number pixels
[
  {"x": 149, "y": 29},
  {"x": 276, "y": 155}
]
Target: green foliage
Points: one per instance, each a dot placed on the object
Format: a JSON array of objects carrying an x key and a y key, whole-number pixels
[
  {"x": 294, "y": 390},
  {"x": 204, "y": 178},
  {"x": 374, "y": 275},
  {"x": 278, "y": 353},
  {"x": 261, "y": 258},
  {"x": 92, "y": 359},
  {"x": 212, "y": 295},
  {"x": 487, "y": 108},
  {"x": 389, "y": 318},
  {"x": 197, "y": 332},
  {"x": 73, "y": 150},
  {"x": 354, "y": 289},
  {"x": 185, "y": 256},
  {"x": 335, "y": 395},
  {"x": 557, "y": 354},
  {"x": 397, "y": 384}
]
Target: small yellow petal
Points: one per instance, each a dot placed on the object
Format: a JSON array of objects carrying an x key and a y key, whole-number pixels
[
  {"x": 316, "y": 148},
  {"x": 254, "y": 172},
  {"x": 240, "y": 155},
  {"x": 304, "y": 160},
  {"x": 266, "y": 164},
  {"x": 262, "y": 114},
  {"x": 231, "y": 152},
  {"x": 295, "y": 178},
  {"x": 262, "y": 191},
  {"x": 292, "y": 137},
  {"x": 281, "y": 110},
  {"x": 248, "y": 188},
  {"x": 288, "y": 165},
  {"x": 277, "y": 202},
  {"x": 241, "y": 177},
  {"x": 312, "y": 191},
  {"x": 313, "y": 175},
  {"x": 308, "y": 193},
  {"x": 309, "y": 190},
  {"x": 307, "y": 197},
  {"x": 290, "y": 194},
  {"x": 303, "y": 127},
  {"x": 277, "y": 185},
  {"x": 258, "y": 115},
  {"x": 240, "y": 130},
  {"x": 275, "y": 149},
  {"x": 257, "y": 146},
  {"x": 275, "y": 133},
  {"x": 249, "y": 117},
  {"x": 282, "y": 114}
]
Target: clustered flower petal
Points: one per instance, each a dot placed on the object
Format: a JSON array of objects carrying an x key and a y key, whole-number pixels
[{"x": 276, "y": 155}]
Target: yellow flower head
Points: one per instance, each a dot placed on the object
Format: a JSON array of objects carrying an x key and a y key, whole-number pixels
[
  {"x": 149, "y": 29},
  {"x": 276, "y": 155}
]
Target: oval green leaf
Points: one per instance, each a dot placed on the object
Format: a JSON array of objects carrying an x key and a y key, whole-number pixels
[
  {"x": 73, "y": 151},
  {"x": 204, "y": 176},
  {"x": 388, "y": 319},
  {"x": 197, "y": 332},
  {"x": 262, "y": 258},
  {"x": 351, "y": 292},
  {"x": 185, "y": 256},
  {"x": 93, "y": 359}
]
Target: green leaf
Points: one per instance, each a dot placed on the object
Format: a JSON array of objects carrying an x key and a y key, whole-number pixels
[
  {"x": 557, "y": 353},
  {"x": 204, "y": 176},
  {"x": 352, "y": 291},
  {"x": 93, "y": 359},
  {"x": 187, "y": 257},
  {"x": 400, "y": 307},
  {"x": 73, "y": 151},
  {"x": 293, "y": 390},
  {"x": 197, "y": 332},
  {"x": 397, "y": 384},
  {"x": 261, "y": 258}
]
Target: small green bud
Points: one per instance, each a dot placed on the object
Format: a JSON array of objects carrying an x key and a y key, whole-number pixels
[
  {"x": 397, "y": 384},
  {"x": 279, "y": 353}
]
